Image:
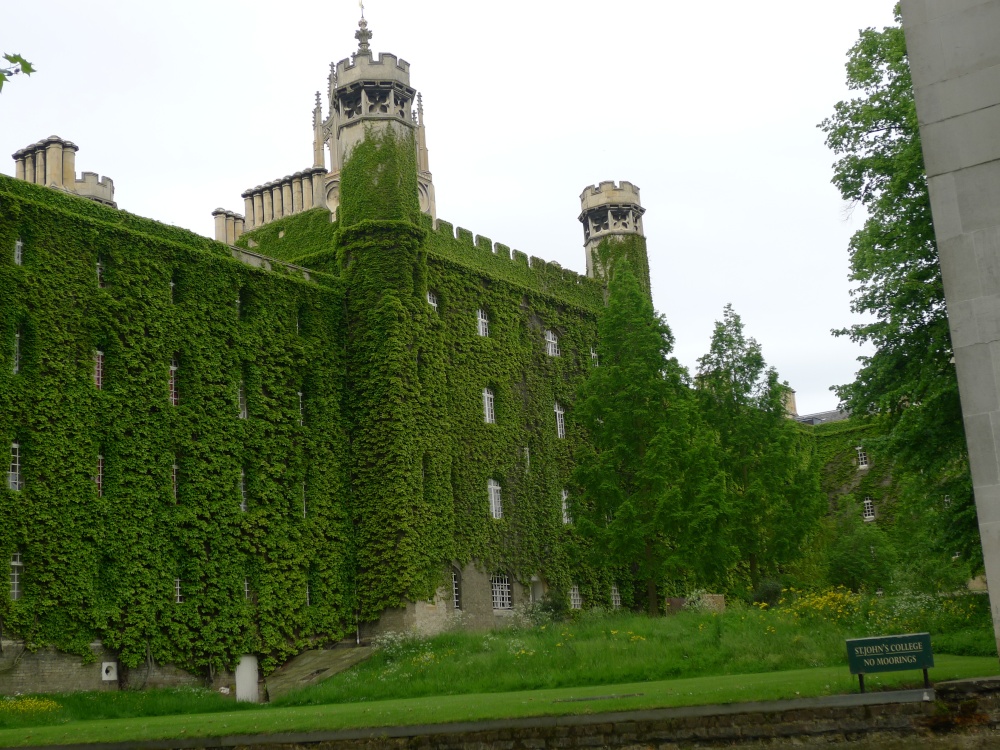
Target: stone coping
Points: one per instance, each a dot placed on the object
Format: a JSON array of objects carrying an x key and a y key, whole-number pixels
[{"x": 467, "y": 727}]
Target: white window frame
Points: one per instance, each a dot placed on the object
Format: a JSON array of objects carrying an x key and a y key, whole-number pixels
[
  {"x": 862, "y": 457},
  {"x": 175, "y": 471},
  {"x": 868, "y": 511},
  {"x": 241, "y": 397},
  {"x": 17, "y": 350},
  {"x": 175, "y": 394},
  {"x": 302, "y": 418},
  {"x": 456, "y": 590},
  {"x": 432, "y": 299},
  {"x": 100, "y": 274},
  {"x": 616, "y": 597},
  {"x": 246, "y": 589},
  {"x": 551, "y": 343},
  {"x": 489, "y": 413},
  {"x": 947, "y": 500},
  {"x": 500, "y": 592},
  {"x": 483, "y": 322},
  {"x": 178, "y": 596},
  {"x": 99, "y": 476},
  {"x": 567, "y": 518},
  {"x": 243, "y": 490},
  {"x": 308, "y": 595},
  {"x": 593, "y": 357},
  {"x": 560, "y": 420},
  {"x": 496, "y": 501},
  {"x": 15, "y": 481},
  {"x": 19, "y": 252},
  {"x": 303, "y": 499},
  {"x": 98, "y": 369},
  {"x": 575, "y": 600},
  {"x": 16, "y": 571}
]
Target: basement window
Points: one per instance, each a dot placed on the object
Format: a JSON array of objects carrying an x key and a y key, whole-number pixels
[
  {"x": 500, "y": 591},
  {"x": 575, "y": 600}
]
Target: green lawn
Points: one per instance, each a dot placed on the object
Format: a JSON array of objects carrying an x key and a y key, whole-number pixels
[{"x": 482, "y": 706}]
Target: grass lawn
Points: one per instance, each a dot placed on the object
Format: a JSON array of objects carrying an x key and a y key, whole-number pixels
[{"x": 481, "y": 706}]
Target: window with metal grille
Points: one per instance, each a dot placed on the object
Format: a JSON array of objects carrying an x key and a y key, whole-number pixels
[
  {"x": 489, "y": 415},
  {"x": 98, "y": 369},
  {"x": 241, "y": 397},
  {"x": 246, "y": 589},
  {"x": 18, "y": 252},
  {"x": 551, "y": 343},
  {"x": 432, "y": 299},
  {"x": 560, "y": 420},
  {"x": 99, "y": 476},
  {"x": 862, "y": 457},
  {"x": 243, "y": 490},
  {"x": 16, "y": 571},
  {"x": 17, "y": 350},
  {"x": 14, "y": 479},
  {"x": 178, "y": 597},
  {"x": 500, "y": 588},
  {"x": 496, "y": 508},
  {"x": 869, "y": 509},
  {"x": 484, "y": 322},
  {"x": 456, "y": 589},
  {"x": 567, "y": 518},
  {"x": 575, "y": 600},
  {"x": 616, "y": 597},
  {"x": 175, "y": 394},
  {"x": 593, "y": 357}
]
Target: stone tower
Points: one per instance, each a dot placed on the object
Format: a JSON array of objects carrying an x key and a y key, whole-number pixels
[
  {"x": 368, "y": 94},
  {"x": 611, "y": 212}
]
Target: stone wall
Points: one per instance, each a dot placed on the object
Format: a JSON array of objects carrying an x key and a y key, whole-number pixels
[{"x": 50, "y": 671}]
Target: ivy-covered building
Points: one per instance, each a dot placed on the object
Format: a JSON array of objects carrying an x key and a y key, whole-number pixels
[{"x": 340, "y": 414}]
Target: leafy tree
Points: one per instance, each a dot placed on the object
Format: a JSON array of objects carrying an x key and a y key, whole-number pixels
[
  {"x": 17, "y": 65},
  {"x": 771, "y": 476},
  {"x": 861, "y": 555},
  {"x": 651, "y": 490},
  {"x": 908, "y": 386}
]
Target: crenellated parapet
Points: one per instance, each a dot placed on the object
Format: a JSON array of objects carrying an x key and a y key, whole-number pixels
[
  {"x": 608, "y": 210},
  {"x": 285, "y": 196},
  {"x": 52, "y": 163}
]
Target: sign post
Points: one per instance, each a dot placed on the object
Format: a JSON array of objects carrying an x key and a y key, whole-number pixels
[{"x": 890, "y": 653}]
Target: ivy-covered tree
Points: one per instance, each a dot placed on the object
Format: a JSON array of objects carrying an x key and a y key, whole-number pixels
[
  {"x": 908, "y": 386},
  {"x": 651, "y": 490},
  {"x": 771, "y": 477}
]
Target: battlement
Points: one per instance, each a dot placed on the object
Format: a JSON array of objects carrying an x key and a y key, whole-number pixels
[
  {"x": 385, "y": 67},
  {"x": 609, "y": 193},
  {"x": 284, "y": 196},
  {"x": 52, "y": 162}
]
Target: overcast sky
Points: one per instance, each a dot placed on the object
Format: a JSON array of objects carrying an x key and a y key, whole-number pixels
[{"x": 709, "y": 107}]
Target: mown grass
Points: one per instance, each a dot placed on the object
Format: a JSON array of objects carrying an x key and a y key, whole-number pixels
[{"x": 480, "y": 707}]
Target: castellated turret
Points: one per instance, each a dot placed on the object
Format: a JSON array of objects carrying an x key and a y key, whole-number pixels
[
  {"x": 52, "y": 163},
  {"x": 608, "y": 211}
]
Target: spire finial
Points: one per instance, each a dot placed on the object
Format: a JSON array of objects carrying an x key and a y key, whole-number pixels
[
  {"x": 363, "y": 34},
  {"x": 317, "y": 99}
]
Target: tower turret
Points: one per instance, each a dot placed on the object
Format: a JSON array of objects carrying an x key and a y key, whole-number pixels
[{"x": 612, "y": 227}]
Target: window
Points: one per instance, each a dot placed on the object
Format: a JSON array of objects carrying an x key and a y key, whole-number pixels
[
  {"x": 175, "y": 394},
  {"x": 16, "y": 571},
  {"x": 241, "y": 398},
  {"x": 862, "y": 457},
  {"x": 560, "y": 420},
  {"x": 175, "y": 472},
  {"x": 18, "y": 252},
  {"x": 947, "y": 500},
  {"x": 565, "y": 507},
  {"x": 303, "y": 499},
  {"x": 178, "y": 597},
  {"x": 14, "y": 480},
  {"x": 551, "y": 343},
  {"x": 593, "y": 357},
  {"x": 456, "y": 589},
  {"x": 616, "y": 597},
  {"x": 575, "y": 600},
  {"x": 98, "y": 369},
  {"x": 243, "y": 490},
  {"x": 489, "y": 416},
  {"x": 17, "y": 350},
  {"x": 301, "y": 412},
  {"x": 869, "y": 510},
  {"x": 527, "y": 459},
  {"x": 493, "y": 488},
  {"x": 308, "y": 596},
  {"x": 100, "y": 274},
  {"x": 500, "y": 588},
  {"x": 99, "y": 476},
  {"x": 432, "y": 299},
  {"x": 246, "y": 589},
  {"x": 484, "y": 322},
  {"x": 173, "y": 289}
]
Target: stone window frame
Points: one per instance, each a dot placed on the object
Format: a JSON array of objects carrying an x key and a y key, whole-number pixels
[
  {"x": 868, "y": 509},
  {"x": 483, "y": 322},
  {"x": 489, "y": 406},
  {"x": 16, "y": 572},
  {"x": 98, "y": 369},
  {"x": 495, "y": 496},
  {"x": 560, "y": 413},
  {"x": 500, "y": 592},
  {"x": 15, "y": 481},
  {"x": 551, "y": 343},
  {"x": 575, "y": 599}
]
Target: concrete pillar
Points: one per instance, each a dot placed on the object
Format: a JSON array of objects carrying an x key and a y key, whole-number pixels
[
  {"x": 248, "y": 209},
  {"x": 19, "y": 168},
  {"x": 319, "y": 191},
  {"x": 39, "y": 167},
  {"x": 29, "y": 167},
  {"x": 239, "y": 226},
  {"x": 307, "y": 192},
  {"x": 297, "y": 192},
  {"x": 258, "y": 209},
  {"x": 279, "y": 210},
  {"x": 220, "y": 224},
  {"x": 288, "y": 207},
  {"x": 69, "y": 166},
  {"x": 53, "y": 163},
  {"x": 953, "y": 48},
  {"x": 268, "y": 212},
  {"x": 230, "y": 229}
]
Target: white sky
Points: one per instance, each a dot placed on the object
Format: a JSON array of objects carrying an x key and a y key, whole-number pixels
[{"x": 709, "y": 107}]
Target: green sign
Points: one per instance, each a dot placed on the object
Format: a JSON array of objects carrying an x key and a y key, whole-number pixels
[{"x": 889, "y": 653}]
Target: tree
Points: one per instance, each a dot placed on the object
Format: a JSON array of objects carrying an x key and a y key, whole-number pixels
[
  {"x": 17, "y": 65},
  {"x": 651, "y": 490},
  {"x": 908, "y": 386},
  {"x": 768, "y": 462}
]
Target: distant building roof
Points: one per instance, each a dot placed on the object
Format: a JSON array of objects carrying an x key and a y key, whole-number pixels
[{"x": 823, "y": 417}]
